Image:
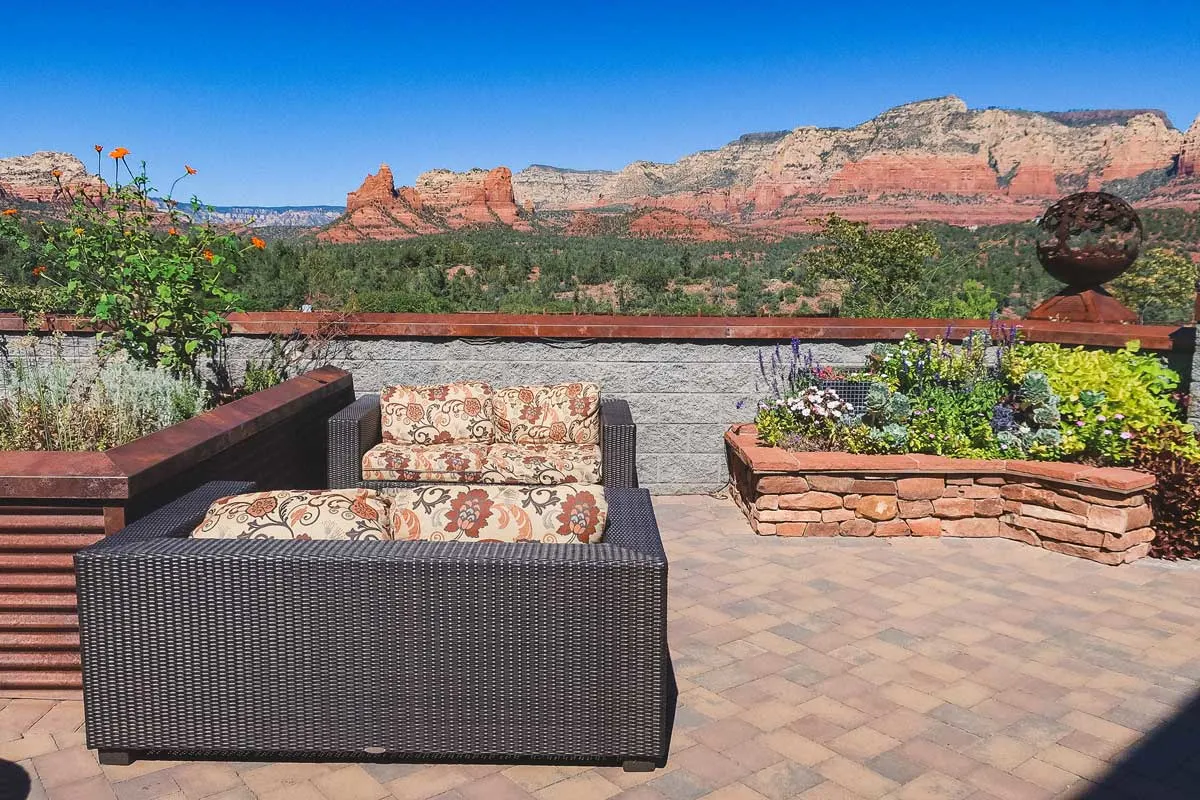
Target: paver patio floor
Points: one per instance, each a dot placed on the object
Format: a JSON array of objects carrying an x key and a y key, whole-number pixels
[{"x": 814, "y": 668}]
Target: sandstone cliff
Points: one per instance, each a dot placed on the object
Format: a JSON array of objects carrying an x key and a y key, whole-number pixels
[
  {"x": 441, "y": 201},
  {"x": 931, "y": 159},
  {"x": 29, "y": 178}
]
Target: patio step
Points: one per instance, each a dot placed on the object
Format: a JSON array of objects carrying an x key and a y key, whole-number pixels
[
  {"x": 39, "y": 679},
  {"x": 58, "y": 561},
  {"x": 19, "y": 601},
  {"x": 38, "y": 659},
  {"x": 38, "y": 621},
  {"x": 38, "y": 640},
  {"x": 33, "y": 581},
  {"x": 44, "y": 540}
]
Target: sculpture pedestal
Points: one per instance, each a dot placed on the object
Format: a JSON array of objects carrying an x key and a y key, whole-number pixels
[{"x": 1083, "y": 305}]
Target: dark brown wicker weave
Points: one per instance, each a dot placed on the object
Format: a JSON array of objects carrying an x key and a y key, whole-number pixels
[
  {"x": 356, "y": 429},
  {"x": 376, "y": 651}
]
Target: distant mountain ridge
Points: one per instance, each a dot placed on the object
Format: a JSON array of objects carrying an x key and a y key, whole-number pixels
[{"x": 929, "y": 160}]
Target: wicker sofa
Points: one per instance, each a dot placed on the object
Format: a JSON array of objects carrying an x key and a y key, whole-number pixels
[
  {"x": 359, "y": 444},
  {"x": 376, "y": 651}
]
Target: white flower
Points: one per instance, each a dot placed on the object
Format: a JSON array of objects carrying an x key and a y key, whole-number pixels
[
  {"x": 804, "y": 412},
  {"x": 1107, "y": 432},
  {"x": 1101, "y": 418}
]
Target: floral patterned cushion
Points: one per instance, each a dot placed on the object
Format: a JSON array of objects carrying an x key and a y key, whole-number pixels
[
  {"x": 439, "y": 463},
  {"x": 544, "y": 464},
  {"x": 345, "y": 514},
  {"x": 566, "y": 514},
  {"x": 454, "y": 412},
  {"x": 565, "y": 414}
]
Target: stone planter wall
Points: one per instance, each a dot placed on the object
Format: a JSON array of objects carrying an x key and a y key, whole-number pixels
[{"x": 1096, "y": 513}]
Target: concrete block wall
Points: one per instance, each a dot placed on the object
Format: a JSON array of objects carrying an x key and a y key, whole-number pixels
[{"x": 684, "y": 395}]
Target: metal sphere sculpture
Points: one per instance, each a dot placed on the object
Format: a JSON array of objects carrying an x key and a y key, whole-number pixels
[{"x": 1089, "y": 238}]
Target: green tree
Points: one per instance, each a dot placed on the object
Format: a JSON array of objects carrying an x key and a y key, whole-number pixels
[
  {"x": 1159, "y": 287},
  {"x": 879, "y": 271}
]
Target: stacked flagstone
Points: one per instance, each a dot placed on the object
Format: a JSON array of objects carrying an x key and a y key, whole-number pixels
[{"x": 1098, "y": 513}]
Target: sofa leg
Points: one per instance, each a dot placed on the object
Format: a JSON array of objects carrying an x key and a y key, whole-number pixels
[
  {"x": 638, "y": 766},
  {"x": 115, "y": 758}
]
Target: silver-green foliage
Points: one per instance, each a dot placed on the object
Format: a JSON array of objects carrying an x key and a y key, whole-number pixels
[{"x": 66, "y": 406}]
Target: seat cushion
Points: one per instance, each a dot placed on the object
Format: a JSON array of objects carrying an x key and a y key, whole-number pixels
[
  {"x": 568, "y": 514},
  {"x": 442, "y": 414},
  {"x": 342, "y": 514},
  {"x": 568, "y": 413},
  {"x": 543, "y": 464},
  {"x": 439, "y": 463}
]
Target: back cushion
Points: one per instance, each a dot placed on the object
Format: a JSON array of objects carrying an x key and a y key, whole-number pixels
[
  {"x": 342, "y": 514},
  {"x": 452, "y": 412},
  {"x": 568, "y": 413},
  {"x": 564, "y": 514}
]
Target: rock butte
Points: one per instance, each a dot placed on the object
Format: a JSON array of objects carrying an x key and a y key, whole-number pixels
[
  {"x": 441, "y": 201},
  {"x": 30, "y": 179}
]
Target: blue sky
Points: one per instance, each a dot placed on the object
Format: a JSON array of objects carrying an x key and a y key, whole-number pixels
[{"x": 292, "y": 103}]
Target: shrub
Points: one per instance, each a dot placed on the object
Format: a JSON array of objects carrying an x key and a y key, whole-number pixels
[
  {"x": 151, "y": 280},
  {"x": 58, "y": 407},
  {"x": 1110, "y": 401},
  {"x": 1175, "y": 498}
]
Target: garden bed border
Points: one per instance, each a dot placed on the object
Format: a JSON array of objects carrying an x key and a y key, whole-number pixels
[{"x": 1097, "y": 513}]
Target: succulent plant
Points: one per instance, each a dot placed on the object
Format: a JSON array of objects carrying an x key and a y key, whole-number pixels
[
  {"x": 1048, "y": 437},
  {"x": 1035, "y": 389},
  {"x": 1046, "y": 416}
]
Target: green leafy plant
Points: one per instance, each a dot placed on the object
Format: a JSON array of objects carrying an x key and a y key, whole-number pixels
[
  {"x": 1110, "y": 401},
  {"x": 153, "y": 282},
  {"x": 1159, "y": 287}
]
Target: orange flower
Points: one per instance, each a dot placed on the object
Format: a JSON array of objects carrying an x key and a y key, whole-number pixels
[
  {"x": 172, "y": 232},
  {"x": 257, "y": 242},
  {"x": 56, "y": 173},
  {"x": 10, "y": 212},
  {"x": 38, "y": 270},
  {"x": 119, "y": 153},
  {"x": 208, "y": 255},
  {"x": 98, "y": 147},
  {"x": 190, "y": 169}
]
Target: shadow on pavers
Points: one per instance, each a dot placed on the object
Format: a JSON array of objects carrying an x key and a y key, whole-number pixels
[
  {"x": 14, "y": 781},
  {"x": 1163, "y": 765}
]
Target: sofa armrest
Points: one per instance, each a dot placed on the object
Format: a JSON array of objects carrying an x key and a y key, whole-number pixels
[
  {"x": 618, "y": 443},
  {"x": 352, "y": 432}
]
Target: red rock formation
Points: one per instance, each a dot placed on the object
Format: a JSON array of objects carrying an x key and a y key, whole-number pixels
[
  {"x": 377, "y": 188},
  {"x": 1034, "y": 180},
  {"x": 907, "y": 174},
  {"x": 441, "y": 201},
  {"x": 1189, "y": 155},
  {"x": 661, "y": 223}
]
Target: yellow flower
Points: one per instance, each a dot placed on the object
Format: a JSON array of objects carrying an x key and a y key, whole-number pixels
[
  {"x": 257, "y": 242},
  {"x": 120, "y": 152},
  {"x": 79, "y": 231},
  {"x": 190, "y": 169}
]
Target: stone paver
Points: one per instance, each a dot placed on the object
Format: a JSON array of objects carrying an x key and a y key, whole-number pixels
[{"x": 813, "y": 668}]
